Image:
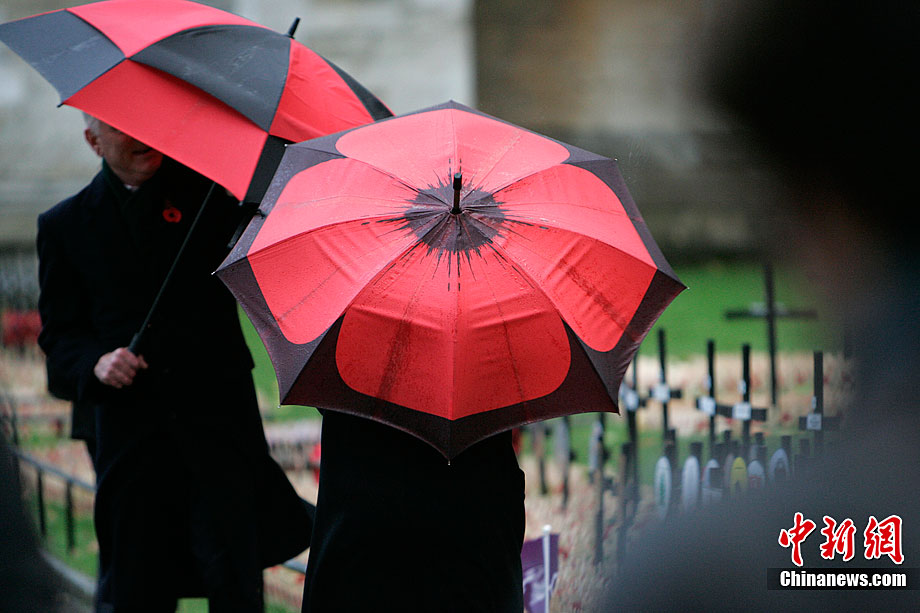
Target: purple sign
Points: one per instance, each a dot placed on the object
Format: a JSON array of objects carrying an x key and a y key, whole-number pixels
[{"x": 532, "y": 563}]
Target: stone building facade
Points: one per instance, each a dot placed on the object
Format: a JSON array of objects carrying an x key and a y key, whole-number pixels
[{"x": 618, "y": 77}]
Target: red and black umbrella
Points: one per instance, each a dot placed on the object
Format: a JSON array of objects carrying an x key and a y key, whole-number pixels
[
  {"x": 449, "y": 274},
  {"x": 212, "y": 90}
]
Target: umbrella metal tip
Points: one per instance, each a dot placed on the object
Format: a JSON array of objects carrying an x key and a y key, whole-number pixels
[{"x": 293, "y": 28}]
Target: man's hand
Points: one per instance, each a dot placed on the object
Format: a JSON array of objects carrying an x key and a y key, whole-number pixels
[{"x": 118, "y": 368}]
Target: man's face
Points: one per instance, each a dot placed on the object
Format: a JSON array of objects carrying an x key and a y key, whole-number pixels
[{"x": 131, "y": 160}]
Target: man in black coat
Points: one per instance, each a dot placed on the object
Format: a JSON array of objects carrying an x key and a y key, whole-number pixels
[{"x": 185, "y": 484}]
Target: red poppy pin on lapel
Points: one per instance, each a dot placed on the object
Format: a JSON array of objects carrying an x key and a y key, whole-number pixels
[{"x": 171, "y": 214}]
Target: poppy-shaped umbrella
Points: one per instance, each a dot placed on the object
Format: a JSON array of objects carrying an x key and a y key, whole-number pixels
[
  {"x": 449, "y": 274},
  {"x": 212, "y": 90}
]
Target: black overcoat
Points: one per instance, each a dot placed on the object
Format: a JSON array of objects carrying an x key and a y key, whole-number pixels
[
  {"x": 399, "y": 529},
  {"x": 188, "y": 496}
]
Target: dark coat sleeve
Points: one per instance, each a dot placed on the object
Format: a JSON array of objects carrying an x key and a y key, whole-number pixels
[
  {"x": 65, "y": 337},
  {"x": 69, "y": 337},
  {"x": 70, "y": 344}
]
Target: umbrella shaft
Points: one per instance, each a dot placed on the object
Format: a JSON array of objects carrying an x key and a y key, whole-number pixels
[
  {"x": 134, "y": 347},
  {"x": 458, "y": 182}
]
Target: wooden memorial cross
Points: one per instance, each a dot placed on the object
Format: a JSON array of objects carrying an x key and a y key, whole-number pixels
[
  {"x": 597, "y": 447},
  {"x": 628, "y": 505},
  {"x": 770, "y": 311},
  {"x": 563, "y": 454},
  {"x": 803, "y": 457},
  {"x": 816, "y": 421},
  {"x": 629, "y": 470},
  {"x": 598, "y": 456},
  {"x": 629, "y": 396},
  {"x": 538, "y": 438},
  {"x": 758, "y": 449},
  {"x": 707, "y": 403},
  {"x": 604, "y": 484},
  {"x": 662, "y": 392},
  {"x": 743, "y": 411}
]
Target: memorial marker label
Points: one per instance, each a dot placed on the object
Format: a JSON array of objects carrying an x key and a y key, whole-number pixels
[
  {"x": 739, "y": 476},
  {"x": 662, "y": 487},
  {"x": 707, "y": 404},
  {"x": 756, "y": 477},
  {"x": 631, "y": 399},
  {"x": 779, "y": 466},
  {"x": 813, "y": 421},
  {"x": 690, "y": 484},
  {"x": 662, "y": 392},
  {"x": 742, "y": 411}
]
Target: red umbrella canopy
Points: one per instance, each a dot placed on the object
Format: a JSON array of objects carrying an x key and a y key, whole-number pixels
[
  {"x": 215, "y": 91},
  {"x": 450, "y": 274}
]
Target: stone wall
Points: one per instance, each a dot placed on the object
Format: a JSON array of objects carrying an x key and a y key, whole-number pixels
[
  {"x": 622, "y": 78},
  {"x": 618, "y": 77}
]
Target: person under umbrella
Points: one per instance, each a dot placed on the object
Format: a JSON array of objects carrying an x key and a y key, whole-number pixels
[
  {"x": 432, "y": 281},
  {"x": 212, "y": 90},
  {"x": 221, "y": 95},
  {"x": 188, "y": 501}
]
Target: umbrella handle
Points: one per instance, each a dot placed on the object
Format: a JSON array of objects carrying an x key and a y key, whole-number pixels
[{"x": 134, "y": 345}]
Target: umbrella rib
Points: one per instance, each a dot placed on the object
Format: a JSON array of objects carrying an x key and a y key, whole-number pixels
[
  {"x": 497, "y": 160},
  {"x": 506, "y": 336},
  {"x": 380, "y": 217},
  {"x": 338, "y": 269},
  {"x": 371, "y": 166},
  {"x": 299, "y": 203},
  {"x": 403, "y": 181},
  {"x": 494, "y": 192},
  {"x": 507, "y": 257},
  {"x": 543, "y": 221},
  {"x": 392, "y": 369},
  {"x": 293, "y": 237},
  {"x": 486, "y": 220},
  {"x": 309, "y": 295}
]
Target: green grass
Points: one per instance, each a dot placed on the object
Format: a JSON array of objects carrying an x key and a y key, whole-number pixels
[
  {"x": 698, "y": 314},
  {"x": 264, "y": 377},
  {"x": 37, "y": 436},
  {"x": 200, "y": 605},
  {"x": 83, "y": 555}
]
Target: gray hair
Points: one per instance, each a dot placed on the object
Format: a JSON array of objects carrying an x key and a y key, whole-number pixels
[{"x": 92, "y": 123}]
